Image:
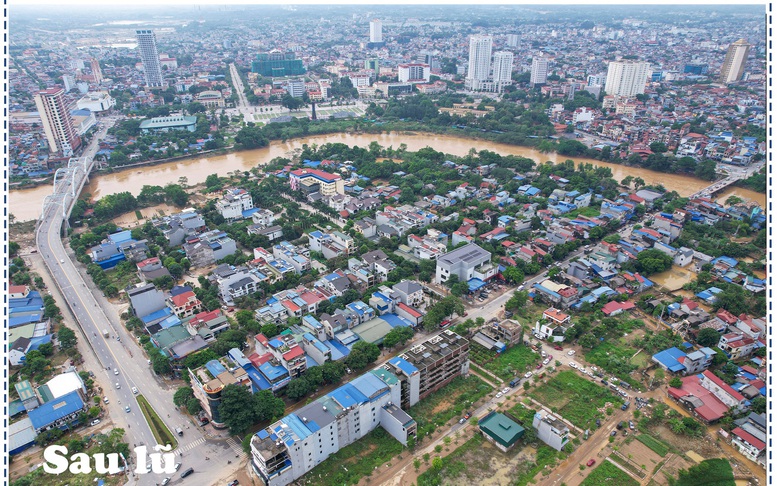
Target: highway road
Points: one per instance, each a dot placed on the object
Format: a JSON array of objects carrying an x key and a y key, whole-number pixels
[{"x": 122, "y": 364}]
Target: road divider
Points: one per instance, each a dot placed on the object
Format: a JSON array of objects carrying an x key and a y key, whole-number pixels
[{"x": 161, "y": 433}]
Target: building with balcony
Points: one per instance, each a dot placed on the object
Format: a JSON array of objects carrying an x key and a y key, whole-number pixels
[{"x": 209, "y": 380}]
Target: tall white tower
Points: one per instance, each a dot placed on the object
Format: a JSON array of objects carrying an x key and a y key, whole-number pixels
[
  {"x": 503, "y": 70},
  {"x": 150, "y": 57},
  {"x": 479, "y": 61},
  {"x": 539, "y": 71},
  {"x": 376, "y": 30},
  {"x": 734, "y": 64},
  {"x": 57, "y": 122},
  {"x": 627, "y": 78}
]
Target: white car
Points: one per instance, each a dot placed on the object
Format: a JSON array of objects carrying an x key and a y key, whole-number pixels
[
  {"x": 572, "y": 364},
  {"x": 571, "y": 352},
  {"x": 118, "y": 386},
  {"x": 105, "y": 400},
  {"x": 134, "y": 391},
  {"x": 527, "y": 375},
  {"x": 506, "y": 390},
  {"x": 499, "y": 395},
  {"x": 94, "y": 422},
  {"x": 116, "y": 371},
  {"x": 543, "y": 354},
  {"x": 546, "y": 361}
]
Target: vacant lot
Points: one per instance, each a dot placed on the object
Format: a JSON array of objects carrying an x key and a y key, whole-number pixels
[
  {"x": 477, "y": 461},
  {"x": 654, "y": 444},
  {"x": 448, "y": 402},
  {"x": 513, "y": 362},
  {"x": 608, "y": 473},
  {"x": 575, "y": 398},
  {"x": 615, "y": 358}
]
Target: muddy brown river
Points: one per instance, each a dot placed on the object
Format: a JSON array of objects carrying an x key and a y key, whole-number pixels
[{"x": 26, "y": 204}]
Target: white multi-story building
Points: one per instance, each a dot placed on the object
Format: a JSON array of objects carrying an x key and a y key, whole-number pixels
[
  {"x": 234, "y": 202},
  {"x": 627, "y": 78},
  {"x": 539, "y": 71},
  {"x": 57, "y": 122},
  {"x": 503, "y": 70},
  {"x": 149, "y": 54},
  {"x": 734, "y": 64},
  {"x": 596, "y": 80},
  {"x": 551, "y": 430},
  {"x": 479, "y": 61},
  {"x": 96, "y": 102},
  {"x": 295, "y": 88},
  {"x": 413, "y": 73},
  {"x": 376, "y": 30},
  {"x": 512, "y": 40}
]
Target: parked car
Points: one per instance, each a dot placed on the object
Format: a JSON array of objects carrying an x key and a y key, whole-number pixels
[
  {"x": 94, "y": 422},
  {"x": 591, "y": 462},
  {"x": 598, "y": 423},
  {"x": 499, "y": 395},
  {"x": 631, "y": 425},
  {"x": 527, "y": 375},
  {"x": 105, "y": 400},
  {"x": 506, "y": 390},
  {"x": 573, "y": 365},
  {"x": 539, "y": 365},
  {"x": 467, "y": 415},
  {"x": 613, "y": 433},
  {"x": 546, "y": 361},
  {"x": 558, "y": 348},
  {"x": 187, "y": 472},
  {"x": 571, "y": 352},
  {"x": 462, "y": 420}
]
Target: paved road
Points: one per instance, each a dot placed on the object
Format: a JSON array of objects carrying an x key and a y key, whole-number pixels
[
  {"x": 237, "y": 82},
  {"x": 122, "y": 364}
]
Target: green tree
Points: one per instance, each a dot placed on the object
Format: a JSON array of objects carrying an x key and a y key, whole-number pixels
[
  {"x": 517, "y": 301},
  {"x": 236, "y": 408},
  {"x": 676, "y": 382},
  {"x": 66, "y": 337},
  {"x": 193, "y": 406},
  {"x": 708, "y": 337},
  {"x": 333, "y": 371},
  {"x": 362, "y": 355},
  {"x": 298, "y": 388},
  {"x": 181, "y": 395}
]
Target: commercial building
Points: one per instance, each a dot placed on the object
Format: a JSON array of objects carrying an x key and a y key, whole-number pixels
[
  {"x": 734, "y": 65},
  {"x": 211, "y": 99},
  {"x": 539, "y": 72},
  {"x": 627, "y": 78},
  {"x": 167, "y": 123},
  {"x": 469, "y": 261},
  {"x": 500, "y": 430},
  {"x": 414, "y": 73},
  {"x": 295, "y": 88},
  {"x": 314, "y": 180},
  {"x": 503, "y": 70},
  {"x": 479, "y": 61},
  {"x": 57, "y": 122},
  {"x": 152, "y": 69},
  {"x": 146, "y": 300},
  {"x": 96, "y": 102},
  {"x": 209, "y": 380},
  {"x": 272, "y": 64}
]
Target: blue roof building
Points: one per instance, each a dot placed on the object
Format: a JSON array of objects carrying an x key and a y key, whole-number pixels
[
  {"x": 57, "y": 413},
  {"x": 670, "y": 359}
]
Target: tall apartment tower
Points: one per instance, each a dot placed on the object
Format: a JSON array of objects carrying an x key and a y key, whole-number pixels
[
  {"x": 97, "y": 73},
  {"x": 512, "y": 40},
  {"x": 150, "y": 57},
  {"x": 539, "y": 71},
  {"x": 503, "y": 70},
  {"x": 627, "y": 78},
  {"x": 734, "y": 64},
  {"x": 376, "y": 30},
  {"x": 57, "y": 122},
  {"x": 479, "y": 61}
]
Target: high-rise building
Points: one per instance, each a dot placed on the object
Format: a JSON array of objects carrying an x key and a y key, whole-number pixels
[
  {"x": 512, "y": 40},
  {"x": 150, "y": 57},
  {"x": 479, "y": 61},
  {"x": 376, "y": 31},
  {"x": 69, "y": 82},
  {"x": 413, "y": 73},
  {"x": 373, "y": 65},
  {"x": 627, "y": 78},
  {"x": 539, "y": 71},
  {"x": 734, "y": 65},
  {"x": 503, "y": 69},
  {"x": 269, "y": 64},
  {"x": 57, "y": 122},
  {"x": 596, "y": 80},
  {"x": 97, "y": 73}
]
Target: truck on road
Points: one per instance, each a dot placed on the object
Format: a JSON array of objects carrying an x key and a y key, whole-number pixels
[{"x": 105, "y": 333}]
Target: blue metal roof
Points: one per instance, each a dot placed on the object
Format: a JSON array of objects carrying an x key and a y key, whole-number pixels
[
  {"x": 259, "y": 381},
  {"x": 16, "y": 321},
  {"x": 272, "y": 372},
  {"x": 160, "y": 314},
  {"x": 370, "y": 385},
  {"x": 396, "y": 321},
  {"x": 215, "y": 367},
  {"x": 669, "y": 358},
  {"x": 348, "y": 395},
  {"x": 403, "y": 365},
  {"x": 56, "y": 409}
]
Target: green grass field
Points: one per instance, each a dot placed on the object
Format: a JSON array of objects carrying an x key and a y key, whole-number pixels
[
  {"x": 575, "y": 398},
  {"x": 653, "y": 444},
  {"x": 608, "y": 473},
  {"x": 516, "y": 361}
]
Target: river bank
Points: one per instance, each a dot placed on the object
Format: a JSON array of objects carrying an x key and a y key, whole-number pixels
[{"x": 26, "y": 204}]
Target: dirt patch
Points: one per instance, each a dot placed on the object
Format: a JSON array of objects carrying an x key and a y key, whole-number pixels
[
  {"x": 442, "y": 406},
  {"x": 640, "y": 454}
]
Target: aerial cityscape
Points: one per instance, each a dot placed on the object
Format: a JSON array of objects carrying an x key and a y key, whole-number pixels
[{"x": 370, "y": 245}]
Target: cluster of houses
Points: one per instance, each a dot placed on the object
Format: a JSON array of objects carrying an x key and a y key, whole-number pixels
[{"x": 28, "y": 328}]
